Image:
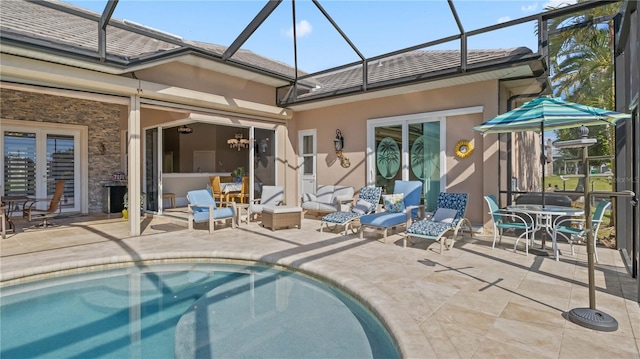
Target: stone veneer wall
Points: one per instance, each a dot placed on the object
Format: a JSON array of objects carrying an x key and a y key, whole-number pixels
[{"x": 102, "y": 120}]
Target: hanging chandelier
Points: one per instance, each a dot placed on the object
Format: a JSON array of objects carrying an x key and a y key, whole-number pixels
[{"x": 238, "y": 142}]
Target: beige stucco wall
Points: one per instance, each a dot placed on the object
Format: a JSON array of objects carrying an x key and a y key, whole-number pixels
[
  {"x": 473, "y": 175},
  {"x": 193, "y": 78}
]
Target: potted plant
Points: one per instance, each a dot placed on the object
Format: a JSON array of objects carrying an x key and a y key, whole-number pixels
[{"x": 237, "y": 174}]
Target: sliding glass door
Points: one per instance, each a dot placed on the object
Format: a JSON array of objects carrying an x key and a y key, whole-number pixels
[{"x": 407, "y": 148}]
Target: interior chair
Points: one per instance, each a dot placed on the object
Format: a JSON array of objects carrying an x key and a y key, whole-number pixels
[
  {"x": 506, "y": 220},
  {"x": 400, "y": 208},
  {"x": 243, "y": 195},
  {"x": 216, "y": 189},
  {"x": 203, "y": 208},
  {"x": 366, "y": 203},
  {"x": 270, "y": 196},
  {"x": 30, "y": 209},
  {"x": 563, "y": 227},
  {"x": 448, "y": 215}
]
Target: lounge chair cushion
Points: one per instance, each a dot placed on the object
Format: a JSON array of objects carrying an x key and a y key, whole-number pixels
[
  {"x": 339, "y": 217},
  {"x": 362, "y": 207},
  {"x": 428, "y": 228},
  {"x": 393, "y": 203},
  {"x": 444, "y": 215},
  {"x": 384, "y": 219}
]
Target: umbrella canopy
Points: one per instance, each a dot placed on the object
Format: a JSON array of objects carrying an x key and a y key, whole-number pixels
[{"x": 549, "y": 113}]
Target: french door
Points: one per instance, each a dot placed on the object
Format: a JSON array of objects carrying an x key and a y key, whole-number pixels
[
  {"x": 307, "y": 150},
  {"x": 36, "y": 157},
  {"x": 407, "y": 148}
]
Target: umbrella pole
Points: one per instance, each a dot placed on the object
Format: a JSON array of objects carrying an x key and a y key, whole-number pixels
[{"x": 591, "y": 317}]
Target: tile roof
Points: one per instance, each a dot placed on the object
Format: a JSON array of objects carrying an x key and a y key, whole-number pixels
[
  {"x": 52, "y": 24},
  {"x": 57, "y": 23},
  {"x": 414, "y": 65}
]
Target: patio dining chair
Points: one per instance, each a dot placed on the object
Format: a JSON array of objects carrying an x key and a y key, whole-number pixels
[
  {"x": 449, "y": 215},
  {"x": 506, "y": 220},
  {"x": 30, "y": 209},
  {"x": 366, "y": 203},
  {"x": 399, "y": 209},
  {"x": 203, "y": 208},
  {"x": 571, "y": 228}
]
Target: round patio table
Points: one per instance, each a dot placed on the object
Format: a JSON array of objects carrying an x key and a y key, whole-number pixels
[{"x": 544, "y": 216}]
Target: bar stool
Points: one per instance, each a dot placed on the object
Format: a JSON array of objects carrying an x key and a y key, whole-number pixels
[{"x": 171, "y": 197}]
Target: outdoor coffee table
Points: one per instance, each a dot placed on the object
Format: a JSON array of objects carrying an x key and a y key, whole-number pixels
[{"x": 276, "y": 217}]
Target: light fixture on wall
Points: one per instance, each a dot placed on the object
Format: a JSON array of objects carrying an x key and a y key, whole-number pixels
[
  {"x": 338, "y": 144},
  {"x": 184, "y": 130},
  {"x": 238, "y": 141}
]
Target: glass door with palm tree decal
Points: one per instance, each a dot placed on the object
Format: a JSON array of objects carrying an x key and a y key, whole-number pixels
[{"x": 407, "y": 148}]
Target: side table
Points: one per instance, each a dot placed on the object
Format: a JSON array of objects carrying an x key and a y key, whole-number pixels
[{"x": 242, "y": 209}]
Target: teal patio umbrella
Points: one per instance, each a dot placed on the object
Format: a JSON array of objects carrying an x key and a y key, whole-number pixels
[{"x": 549, "y": 113}]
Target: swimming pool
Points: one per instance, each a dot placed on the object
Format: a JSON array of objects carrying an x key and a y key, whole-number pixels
[{"x": 187, "y": 310}]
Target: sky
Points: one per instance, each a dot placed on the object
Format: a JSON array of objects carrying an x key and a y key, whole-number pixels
[{"x": 374, "y": 27}]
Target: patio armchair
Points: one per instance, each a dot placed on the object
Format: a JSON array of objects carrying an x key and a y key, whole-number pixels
[
  {"x": 367, "y": 203},
  {"x": 31, "y": 211},
  {"x": 203, "y": 208},
  {"x": 271, "y": 196},
  {"x": 505, "y": 220},
  {"x": 449, "y": 215},
  {"x": 400, "y": 208},
  {"x": 571, "y": 228}
]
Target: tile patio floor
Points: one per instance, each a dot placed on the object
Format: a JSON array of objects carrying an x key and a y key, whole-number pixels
[{"x": 470, "y": 302}]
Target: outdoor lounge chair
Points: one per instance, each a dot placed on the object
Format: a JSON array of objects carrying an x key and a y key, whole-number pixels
[
  {"x": 366, "y": 203},
  {"x": 30, "y": 210},
  {"x": 408, "y": 209},
  {"x": 270, "y": 196},
  {"x": 509, "y": 220},
  {"x": 449, "y": 215},
  {"x": 570, "y": 232},
  {"x": 202, "y": 208}
]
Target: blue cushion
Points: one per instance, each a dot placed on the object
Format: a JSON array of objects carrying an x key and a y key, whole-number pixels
[
  {"x": 384, "y": 219},
  {"x": 429, "y": 228},
  {"x": 224, "y": 212},
  {"x": 340, "y": 217}
]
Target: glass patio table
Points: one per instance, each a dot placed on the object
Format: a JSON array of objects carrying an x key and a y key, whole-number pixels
[{"x": 544, "y": 219}]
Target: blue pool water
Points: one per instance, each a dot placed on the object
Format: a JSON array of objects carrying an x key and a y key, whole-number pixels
[{"x": 186, "y": 310}]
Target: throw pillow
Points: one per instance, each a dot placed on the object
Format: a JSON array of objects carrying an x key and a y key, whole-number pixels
[
  {"x": 444, "y": 215},
  {"x": 362, "y": 207},
  {"x": 393, "y": 203}
]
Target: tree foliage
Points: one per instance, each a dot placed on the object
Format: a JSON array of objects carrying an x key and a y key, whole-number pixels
[{"x": 582, "y": 71}]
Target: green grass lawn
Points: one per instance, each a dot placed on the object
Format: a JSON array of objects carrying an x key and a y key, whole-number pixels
[{"x": 598, "y": 183}]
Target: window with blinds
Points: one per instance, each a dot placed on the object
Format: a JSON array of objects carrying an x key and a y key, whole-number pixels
[{"x": 19, "y": 163}]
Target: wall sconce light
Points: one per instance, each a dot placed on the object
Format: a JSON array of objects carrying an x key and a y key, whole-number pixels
[
  {"x": 103, "y": 148},
  {"x": 338, "y": 144}
]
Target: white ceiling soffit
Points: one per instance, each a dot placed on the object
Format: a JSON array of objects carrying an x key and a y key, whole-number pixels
[
  {"x": 511, "y": 72},
  {"x": 188, "y": 59}
]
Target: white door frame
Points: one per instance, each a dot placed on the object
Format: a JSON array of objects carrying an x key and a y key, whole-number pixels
[
  {"x": 314, "y": 176},
  {"x": 81, "y": 163}
]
